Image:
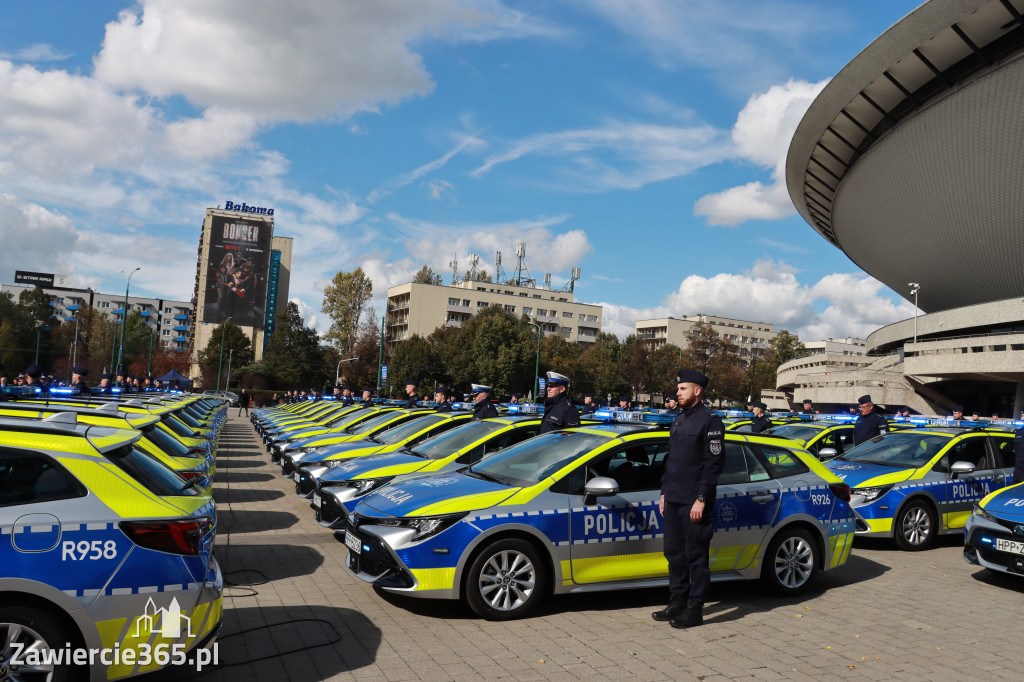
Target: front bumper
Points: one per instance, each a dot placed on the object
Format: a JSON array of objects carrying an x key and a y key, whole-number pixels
[{"x": 980, "y": 546}]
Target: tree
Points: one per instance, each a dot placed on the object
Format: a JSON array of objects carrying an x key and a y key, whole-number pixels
[
  {"x": 426, "y": 276},
  {"x": 214, "y": 357},
  {"x": 481, "y": 276},
  {"x": 412, "y": 359},
  {"x": 363, "y": 372},
  {"x": 764, "y": 366},
  {"x": 344, "y": 300},
  {"x": 294, "y": 357},
  {"x": 718, "y": 358},
  {"x": 598, "y": 368}
]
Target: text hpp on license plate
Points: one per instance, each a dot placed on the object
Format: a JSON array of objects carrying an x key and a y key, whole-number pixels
[
  {"x": 353, "y": 543},
  {"x": 1010, "y": 546},
  {"x": 317, "y": 501}
]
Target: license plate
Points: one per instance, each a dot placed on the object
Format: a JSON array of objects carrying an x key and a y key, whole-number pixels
[
  {"x": 353, "y": 543},
  {"x": 316, "y": 500},
  {"x": 1011, "y": 546},
  {"x": 296, "y": 476},
  {"x": 280, "y": 462}
]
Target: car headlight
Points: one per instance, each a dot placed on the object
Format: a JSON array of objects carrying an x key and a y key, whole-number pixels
[
  {"x": 979, "y": 513},
  {"x": 871, "y": 494},
  {"x": 365, "y": 485},
  {"x": 427, "y": 526}
]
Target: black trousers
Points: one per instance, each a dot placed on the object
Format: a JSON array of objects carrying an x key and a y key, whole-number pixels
[{"x": 687, "y": 548}]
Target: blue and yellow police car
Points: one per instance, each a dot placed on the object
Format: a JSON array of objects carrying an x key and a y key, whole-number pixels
[
  {"x": 995, "y": 531},
  {"x": 577, "y": 510}
]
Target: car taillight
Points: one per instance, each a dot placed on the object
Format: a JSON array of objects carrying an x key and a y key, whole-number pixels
[
  {"x": 182, "y": 536},
  {"x": 840, "y": 490},
  {"x": 190, "y": 474}
]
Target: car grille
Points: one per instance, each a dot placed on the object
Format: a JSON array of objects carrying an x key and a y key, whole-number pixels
[
  {"x": 329, "y": 511},
  {"x": 374, "y": 561},
  {"x": 1012, "y": 562}
]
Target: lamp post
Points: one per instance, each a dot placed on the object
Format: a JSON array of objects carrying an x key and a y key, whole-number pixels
[
  {"x": 227, "y": 379},
  {"x": 536, "y": 372},
  {"x": 149, "y": 365},
  {"x": 914, "y": 288},
  {"x": 755, "y": 351},
  {"x": 74, "y": 344},
  {"x": 380, "y": 351},
  {"x": 39, "y": 331},
  {"x": 223, "y": 333},
  {"x": 337, "y": 368},
  {"x": 124, "y": 318}
]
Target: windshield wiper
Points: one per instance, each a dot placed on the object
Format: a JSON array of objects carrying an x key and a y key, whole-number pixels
[
  {"x": 191, "y": 483},
  {"x": 483, "y": 475}
]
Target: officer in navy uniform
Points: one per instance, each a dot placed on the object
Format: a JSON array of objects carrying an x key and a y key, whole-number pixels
[
  {"x": 870, "y": 423},
  {"x": 696, "y": 457},
  {"x": 410, "y": 391},
  {"x": 589, "y": 406},
  {"x": 559, "y": 412},
  {"x": 672, "y": 405},
  {"x": 760, "y": 422},
  {"x": 33, "y": 373},
  {"x": 104, "y": 387},
  {"x": 367, "y": 398},
  {"x": 441, "y": 398},
  {"x": 808, "y": 406},
  {"x": 1018, "y": 453},
  {"x": 3, "y": 387},
  {"x": 78, "y": 385},
  {"x": 484, "y": 408},
  {"x": 347, "y": 397}
]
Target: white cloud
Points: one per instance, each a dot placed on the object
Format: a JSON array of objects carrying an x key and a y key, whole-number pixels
[
  {"x": 410, "y": 177},
  {"x": 29, "y": 234},
  {"x": 619, "y": 155},
  {"x": 437, "y": 189},
  {"x": 761, "y": 136},
  {"x": 770, "y": 292},
  {"x": 40, "y": 52}
]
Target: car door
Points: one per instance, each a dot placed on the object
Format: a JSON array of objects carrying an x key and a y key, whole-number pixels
[
  {"x": 966, "y": 489},
  {"x": 500, "y": 441},
  {"x": 839, "y": 438},
  {"x": 619, "y": 537},
  {"x": 1002, "y": 450},
  {"x": 747, "y": 503}
]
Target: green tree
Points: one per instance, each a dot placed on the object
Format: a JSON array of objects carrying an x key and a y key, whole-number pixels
[
  {"x": 598, "y": 369},
  {"x": 236, "y": 346},
  {"x": 426, "y": 276},
  {"x": 481, "y": 276},
  {"x": 294, "y": 356},
  {"x": 718, "y": 358},
  {"x": 502, "y": 348},
  {"x": 10, "y": 354},
  {"x": 411, "y": 359},
  {"x": 345, "y": 299},
  {"x": 764, "y": 366}
]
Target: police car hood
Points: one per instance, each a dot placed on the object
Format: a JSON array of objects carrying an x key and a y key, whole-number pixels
[
  {"x": 863, "y": 474},
  {"x": 342, "y": 450},
  {"x": 392, "y": 462},
  {"x": 1007, "y": 503},
  {"x": 443, "y": 493}
]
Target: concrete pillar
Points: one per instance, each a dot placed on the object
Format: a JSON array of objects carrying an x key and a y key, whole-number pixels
[{"x": 1018, "y": 400}]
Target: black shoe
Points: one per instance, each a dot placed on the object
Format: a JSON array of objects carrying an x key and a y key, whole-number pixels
[
  {"x": 691, "y": 617},
  {"x": 675, "y": 607}
]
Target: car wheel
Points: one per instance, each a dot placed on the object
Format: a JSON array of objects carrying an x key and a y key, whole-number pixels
[
  {"x": 791, "y": 560},
  {"x": 26, "y": 629},
  {"x": 915, "y": 527},
  {"x": 506, "y": 580}
]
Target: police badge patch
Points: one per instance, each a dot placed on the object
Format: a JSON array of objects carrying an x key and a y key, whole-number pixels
[{"x": 715, "y": 447}]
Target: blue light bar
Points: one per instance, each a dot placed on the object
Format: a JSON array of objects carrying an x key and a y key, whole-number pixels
[
  {"x": 61, "y": 391},
  {"x": 463, "y": 406},
  {"x": 115, "y": 389},
  {"x": 525, "y": 408}
]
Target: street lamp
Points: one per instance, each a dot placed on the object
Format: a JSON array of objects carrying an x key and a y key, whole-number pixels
[
  {"x": 124, "y": 318},
  {"x": 223, "y": 334},
  {"x": 337, "y": 369},
  {"x": 536, "y": 373},
  {"x": 756, "y": 350},
  {"x": 914, "y": 288},
  {"x": 74, "y": 344}
]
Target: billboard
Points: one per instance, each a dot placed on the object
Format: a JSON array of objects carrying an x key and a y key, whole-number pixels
[
  {"x": 236, "y": 272},
  {"x": 42, "y": 279}
]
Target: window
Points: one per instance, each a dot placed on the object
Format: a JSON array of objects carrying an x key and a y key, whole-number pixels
[
  {"x": 779, "y": 462},
  {"x": 527, "y": 311},
  {"x": 536, "y": 295},
  {"x": 564, "y": 300},
  {"x": 104, "y": 304},
  {"x": 636, "y": 467},
  {"x": 167, "y": 332},
  {"x": 542, "y": 312},
  {"x": 510, "y": 308},
  {"x": 522, "y": 293},
  {"x": 554, "y": 313},
  {"x": 969, "y": 450},
  {"x": 569, "y": 315},
  {"x": 482, "y": 304},
  {"x": 453, "y": 301},
  {"x": 167, "y": 311},
  {"x": 30, "y": 478},
  {"x": 566, "y": 330}
]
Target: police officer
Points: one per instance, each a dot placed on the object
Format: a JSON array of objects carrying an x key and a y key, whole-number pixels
[
  {"x": 367, "y": 398},
  {"x": 347, "y": 396},
  {"x": 33, "y": 374},
  {"x": 870, "y": 423},
  {"x": 78, "y": 385},
  {"x": 410, "y": 391},
  {"x": 760, "y": 422},
  {"x": 624, "y": 403},
  {"x": 3, "y": 385},
  {"x": 104, "y": 387},
  {"x": 559, "y": 412},
  {"x": 1018, "y": 453},
  {"x": 695, "y": 460},
  {"x": 484, "y": 408},
  {"x": 808, "y": 406},
  {"x": 441, "y": 398},
  {"x": 958, "y": 413},
  {"x": 672, "y": 405},
  {"x": 514, "y": 399},
  {"x": 589, "y": 406}
]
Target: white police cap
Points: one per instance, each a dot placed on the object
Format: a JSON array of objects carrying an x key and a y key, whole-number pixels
[
  {"x": 558, "y": 379},
  {"x": 480, "y": 388}
]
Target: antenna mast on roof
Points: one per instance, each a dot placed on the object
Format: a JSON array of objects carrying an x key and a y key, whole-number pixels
[
  {"x": 454, "y": 265},
  {"x": 499, "y": 273},
  {"x": 522, "y": 277},
  {"x": 474, "y": 270},
  {"x": 571, "y": 284}
]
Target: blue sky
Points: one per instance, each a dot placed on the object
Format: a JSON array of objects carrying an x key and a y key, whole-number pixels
[{"x": 641, "y": 141}]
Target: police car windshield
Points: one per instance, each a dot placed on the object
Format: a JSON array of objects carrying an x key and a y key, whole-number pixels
[
  {"x": 178, "y": 426},
  {"x": 903, "y": 450},
  {"x": 166, "y": 442},
  {"x": 803, "y": 432},
  {"x": 535, "y": 459},
  {"x": 371, "y": 424},
  {"x": 149, "y": 471},
  {"x": 396, "y": 434},
  {"x": 347, "y": 418},
  {"x": 444, "y": 444}
]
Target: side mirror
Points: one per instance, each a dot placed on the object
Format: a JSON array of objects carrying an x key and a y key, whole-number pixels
[
  {"x": 826, "y": 454},
  {"x": 959, "y": 468},
  {"x": 600, "y": 486}
]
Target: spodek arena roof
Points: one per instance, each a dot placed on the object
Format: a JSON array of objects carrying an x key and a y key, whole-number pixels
[{"x": 911, "y": 160}]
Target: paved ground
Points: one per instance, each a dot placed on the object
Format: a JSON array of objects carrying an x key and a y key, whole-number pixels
[{"x": 885, "y": 615}]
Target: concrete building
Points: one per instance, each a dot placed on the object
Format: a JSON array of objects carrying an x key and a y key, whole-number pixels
[
  {"x": 830, "y": 346},
  {"x": 752, "y": 338},
  {"x": 170, "y": 320},
  {"x": 256, "y": 290},
  {"x": 911, "y": 161},
  {"x": 418, "y": 308}
]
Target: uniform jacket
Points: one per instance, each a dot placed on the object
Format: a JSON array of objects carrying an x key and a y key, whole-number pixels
[
  {"x": 484, "y": 409},
  {"x": 1018, "y": 455},
  {"x": 759, "y": 424},
  {"x": 868, "y": 426},
  {"x": 446, "y": 407},
  {"x": 696, "y": 457},
  {"x": 560, "y": 414},
  {"x": 412, "y": 400}
]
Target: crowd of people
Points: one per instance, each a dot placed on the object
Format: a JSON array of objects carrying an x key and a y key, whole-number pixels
[{"x": 34, "y": 378}]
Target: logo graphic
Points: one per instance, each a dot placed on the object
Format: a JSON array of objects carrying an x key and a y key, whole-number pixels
[
  {"x": 726, "y": 513},
  {"x": 716, "y": 447},
  {"x": 845, "y": 467},
  {"x": 171, "y": 620},
  {"x": 1019, "y": 529}
]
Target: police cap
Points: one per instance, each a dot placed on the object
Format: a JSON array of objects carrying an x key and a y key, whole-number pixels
[
  {"x": 623, "y": 398},
  {"x": 672, "y": 397},
  {"x": 807, "y": 401},
  {"x": 80, "y": 371},
  {"x": 692, "y": 377},
  {"x": 758, "y": 404},
  {"x": 556, "y": 379},
  {"x": 480, "y": 388},
  {"x": 34, "y": 371},
  {"x": 107, "y": 375},
  {"x": 412, "y": 382},
  {"x": 443, "y": 390},
  {"x": 956, "y": 408},
  {"x": 863, "y": 399}
]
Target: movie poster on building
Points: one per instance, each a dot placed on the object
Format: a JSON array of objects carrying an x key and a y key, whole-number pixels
[{"x": 236, "y": 276}]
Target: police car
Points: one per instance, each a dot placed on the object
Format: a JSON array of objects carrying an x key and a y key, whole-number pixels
[
  {"x": 342, "y": 428},
  {"x": 995, "y": 531},
  {"x": 577, "y": 510},
  {"x": 340, "y": 487},
  {"x": 325, "y": 416},
  {"x": 103, "y": 549},
  {"x": 915, "y": 484},
  {"x": 404, "y": 435},
  {"x": 824, "y": 438}
]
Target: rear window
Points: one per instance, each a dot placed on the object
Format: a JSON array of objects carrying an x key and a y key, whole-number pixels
[
  {"x": 149, "y": 471},
  {"x": 166, "y": 442},
  {"x": 780, "y": 463},
  {"x": 31, "y": 478}
]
